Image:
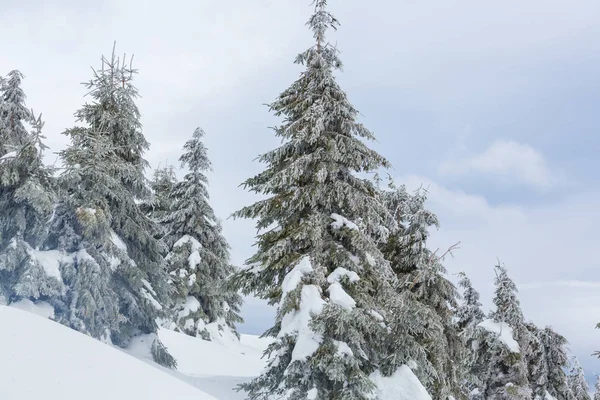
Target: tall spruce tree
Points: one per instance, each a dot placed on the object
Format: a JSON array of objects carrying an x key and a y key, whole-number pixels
[
  {"x": 205, "y": 303},
  {"x": 578, "y": 386},
  {"x": 115, "y": 281},
  {"x": 506, "y": 378},
  {"x": 317, "y": 257},
  {"x": 26, "y": 199},
  {"x": 422, "y": 285}
]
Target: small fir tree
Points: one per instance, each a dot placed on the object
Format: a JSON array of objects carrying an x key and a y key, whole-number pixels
[
  {"x": 469, "y": 315},
  {"x": 578, "y": 385},
  {"x": 537, "y": 365},
  {"x": 159, "y": 204},
  {"x": 557, "y": 362},
  {"x": 317, "y": 257},
  {"x": 597, "y": 389},
  {"x": 204, "y": 301},
  {"x": 506, "y": 378}
]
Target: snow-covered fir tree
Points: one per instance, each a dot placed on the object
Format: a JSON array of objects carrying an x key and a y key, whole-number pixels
[
  {"x": 162, "y": 184},
  {"x": 578, "y": 385},
  {"x": 426, "y": 298},
  {"x": 317, "y": 256},
  {"x": 205, "y": 303},
  {"x": 26, "y": 200},
  {"x": 506, "y": 378},
  {"x": 557, "y": 362},
  {"x": 469, "y": 315},
  {"x": 597, "y": 389},
  {"x": 537, "y": 366},
  {"x": 111, "y": 257}
]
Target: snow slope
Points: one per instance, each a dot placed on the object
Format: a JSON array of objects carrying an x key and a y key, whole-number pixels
[
  {"x": 216, "y": 366},
  {"x": 40, "y": 359}
]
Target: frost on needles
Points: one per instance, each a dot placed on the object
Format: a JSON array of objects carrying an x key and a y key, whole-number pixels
[
  {"x": 26, "y": 199},
  {"x": 317, "y": 257},
  {"x": 203, "y": 302},
  {"x": 421, "y": 317},
  {"x": 115, "y": 281}
]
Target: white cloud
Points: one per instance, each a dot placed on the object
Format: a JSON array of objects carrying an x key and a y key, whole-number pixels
[
  {"x": 568, "y": 284},
  {"x": 508, "y": 160}
]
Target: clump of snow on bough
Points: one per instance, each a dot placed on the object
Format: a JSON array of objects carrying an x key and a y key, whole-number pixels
[
  {"x": 503, "y": 332},
  {"x": 339, "y": 222},
  {"x": 297, "y": 322}
]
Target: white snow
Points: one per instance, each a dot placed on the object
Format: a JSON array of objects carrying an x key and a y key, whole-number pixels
[
  {"x": 40, "y": 308},
  {"x": 403, "y": 385},
  {"x": 50, "y": 261},
  {"x": 312, "y": 394},
  {"x": 293, "y": 278},
  {"x": 11, "y": 154},
  {"x": 151, "y": 299},
  {"x": 41, "y": 359},
  {"x": 339, "y": 222},
  {"x": 117, "y": 241},
  {"x": 343, "y": 349},
  {"x": 191, "y": 305},
  {"x": 378, "y": 316},
  {"x": 340, "y": 272},
  {"x": 504, "y": 332},
  {"x": 194, "y": 259},
  {"x": 370, "y": 259},
  {"x": 338, "y": 295},
  {"x": 296, "y": 323},
  {"x": 196, "y": 245},
  {"x": 548, "y": 397}
]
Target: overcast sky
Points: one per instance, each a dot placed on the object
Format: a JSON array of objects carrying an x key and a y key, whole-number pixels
[{"x": 491, "y": 105}]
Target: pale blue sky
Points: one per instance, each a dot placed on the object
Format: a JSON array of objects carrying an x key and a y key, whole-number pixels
[{"x": 492, "y": 105}]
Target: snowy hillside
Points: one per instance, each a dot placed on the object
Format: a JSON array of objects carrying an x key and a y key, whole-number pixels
[{"x": 40, "y": 359}]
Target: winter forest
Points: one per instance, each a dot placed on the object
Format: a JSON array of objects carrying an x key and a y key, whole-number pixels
[{"x": 105, "y": 244}]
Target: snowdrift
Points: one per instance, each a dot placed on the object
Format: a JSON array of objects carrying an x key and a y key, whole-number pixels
[{"x": 40, "y": 359}]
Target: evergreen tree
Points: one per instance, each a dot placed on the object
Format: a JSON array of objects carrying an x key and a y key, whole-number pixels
[
  {"x": 507, "y": 375},
  {"x": 469, "y": 315},
  {"x": 577, "y": 384},
  {"x": 159, "y": 204},
  {"x": 26, "y": 199},
  {"x": 508, "y": 306},
  {"x": 162, "y": 184},
  {"x": 317, "y": 257},
  {"x": 537, "y": 365},
  {"x": 422, "y": 285},
  {"x": 557, "y": 362},
  {"x": 115, "y": 281},
  {"x": 198, "y": 261},
  {"x": 597, "y": 389}
]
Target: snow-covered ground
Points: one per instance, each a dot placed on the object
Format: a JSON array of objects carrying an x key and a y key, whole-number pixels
[
  {"x": 40, "y": 359},
  {"x": 216, "y": 367}
]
